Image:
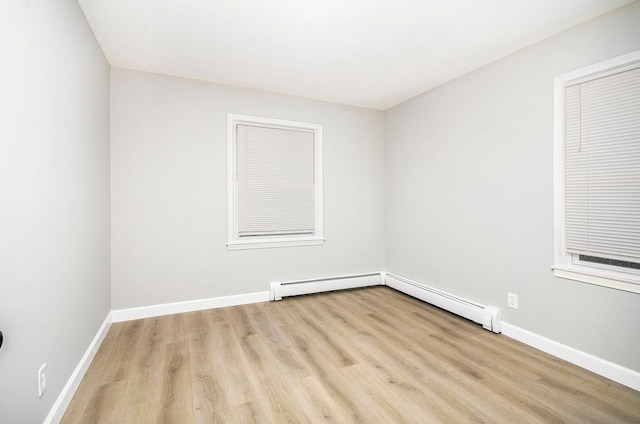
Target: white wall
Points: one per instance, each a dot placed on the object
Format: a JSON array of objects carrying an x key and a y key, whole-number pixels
[
  {"x": 169, "y": 191},
  {"x": 54, "y": 199},
  {"x": 469, "y": 192}
]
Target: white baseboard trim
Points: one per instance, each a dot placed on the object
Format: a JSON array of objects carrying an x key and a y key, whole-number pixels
[
  {"x": 120, "y": 315},
  {"x": 610, "y": 370},
  {"x": 69, "y": 389},
  {"x": 280, "y": 289}
]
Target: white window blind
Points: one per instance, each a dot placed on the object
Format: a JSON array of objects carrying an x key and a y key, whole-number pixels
[
  {"x": 602, "y": 166},
  {"x": 275, "y": 181}
]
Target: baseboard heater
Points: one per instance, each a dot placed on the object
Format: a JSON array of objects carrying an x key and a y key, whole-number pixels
[
  {"x": 294, "y": 288},
  {"x": 489, "y": 317}
]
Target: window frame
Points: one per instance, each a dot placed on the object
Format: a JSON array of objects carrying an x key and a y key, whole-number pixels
[
  {"x": 566, "y": 264},
  {"x": 234, "y": 242}
]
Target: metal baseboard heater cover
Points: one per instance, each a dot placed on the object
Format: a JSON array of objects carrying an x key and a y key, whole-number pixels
[
  {"x": 319, "y": 285},
  {"x": 488, "y": 316}
]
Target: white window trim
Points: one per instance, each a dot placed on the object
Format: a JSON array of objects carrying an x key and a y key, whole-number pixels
[
  {"x": 565, "y": 265},
  {"x": 233, "y": 243}
]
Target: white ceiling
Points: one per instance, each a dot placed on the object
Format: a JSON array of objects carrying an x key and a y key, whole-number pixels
[{"x": 371, "y": 53}]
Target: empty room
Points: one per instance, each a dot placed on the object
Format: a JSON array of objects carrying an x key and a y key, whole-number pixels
[{"x": 384, "y": 211}]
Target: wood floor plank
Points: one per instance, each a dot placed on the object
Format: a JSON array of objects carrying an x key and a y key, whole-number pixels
[
  {"x": 145, "y": 370},
  {"x": 177, "y": 395},
  {"x": 369, "y": 355},
  {"x": 210, "y": 400},
  {"x": 99, "y": 407},
  {"x": 270, "y": 389},
  {"x": 291, "y": 362}
]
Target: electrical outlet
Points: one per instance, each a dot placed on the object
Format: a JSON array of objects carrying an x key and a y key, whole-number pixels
[
  {"x": 512, "y": 300},
  {"x": 42, "y": 379}
]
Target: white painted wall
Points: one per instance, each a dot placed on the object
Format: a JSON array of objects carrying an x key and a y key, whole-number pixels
[
  {"x": 169, "y": 191},
  {"x": 469, "y": 192},
  {"x": 54, "y": 199}
]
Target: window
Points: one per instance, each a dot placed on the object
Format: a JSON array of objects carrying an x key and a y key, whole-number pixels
[
  {"x": 597, "y": 174},
  {"x": 275, "y": 183}
]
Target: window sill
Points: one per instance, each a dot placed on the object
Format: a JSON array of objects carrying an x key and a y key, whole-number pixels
[
  {"x": 596, "y": 278},
  {"x": 266, "y": 244}
]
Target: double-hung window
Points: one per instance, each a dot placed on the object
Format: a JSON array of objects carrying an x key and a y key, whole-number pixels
[
  {"x": 275, "y": 183},
  {"x": 597, "y": 174}
]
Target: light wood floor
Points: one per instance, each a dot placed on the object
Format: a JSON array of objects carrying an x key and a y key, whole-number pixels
[{"x": 368, "y": 356}]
